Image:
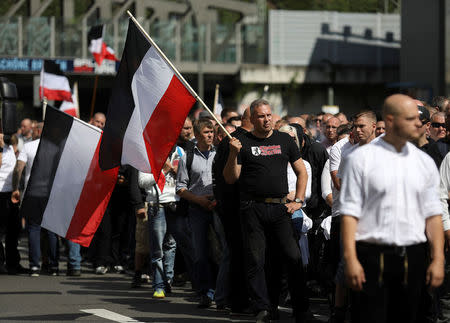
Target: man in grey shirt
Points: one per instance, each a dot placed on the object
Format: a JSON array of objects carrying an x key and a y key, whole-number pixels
[{"x": 196, "y": 187}]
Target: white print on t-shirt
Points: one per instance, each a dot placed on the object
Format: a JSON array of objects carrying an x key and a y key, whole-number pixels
[{"x": 266, "y": 150}]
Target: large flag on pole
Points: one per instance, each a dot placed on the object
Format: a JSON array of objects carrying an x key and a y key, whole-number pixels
[
  {"x": 98, "y": 47},
  {"x": 54, "y": 85},
  {"x": 67, "y": 192},
  {"x": 146, "y": 111},
  {"x": 72, "y": 108}
]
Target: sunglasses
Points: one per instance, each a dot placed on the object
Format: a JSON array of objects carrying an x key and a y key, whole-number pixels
[{"x": 437, "y": 125}]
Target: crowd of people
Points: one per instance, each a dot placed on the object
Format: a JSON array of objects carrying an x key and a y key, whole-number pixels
[{"x": 262, "y": 211}]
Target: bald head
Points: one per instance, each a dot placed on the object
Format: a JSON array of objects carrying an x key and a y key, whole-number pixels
[
  {"x": 298, "y": 120},
  {"x": 246, "y": 123},
  {"x": 396, "y": 104},
  {"x": 99, "y": 120},
  {"x": 401, "y": 117}
]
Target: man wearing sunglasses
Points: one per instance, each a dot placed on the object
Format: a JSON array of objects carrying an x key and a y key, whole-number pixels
[{"x": 437, "y": 129}]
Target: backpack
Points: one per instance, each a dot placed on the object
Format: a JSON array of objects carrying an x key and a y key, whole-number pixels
[{"x": 183, "y": 204}]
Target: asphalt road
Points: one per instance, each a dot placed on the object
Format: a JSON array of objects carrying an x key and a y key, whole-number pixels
[{"x": 104, "y": 298}]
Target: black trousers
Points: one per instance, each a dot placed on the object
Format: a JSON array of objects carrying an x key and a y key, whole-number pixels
[
  {"x": 390, "y": 294},
  {"x": 10, "y": 225},
  {"x": 263, "y": 223},
  {"x": 229, "y": 215}
]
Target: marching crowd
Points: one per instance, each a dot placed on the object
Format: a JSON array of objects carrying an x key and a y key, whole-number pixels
[{"x": 269, "y": 213}]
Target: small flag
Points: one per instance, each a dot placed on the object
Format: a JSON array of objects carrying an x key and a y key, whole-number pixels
[
  {"x": 54, "y": 85},
  {"x": 218, "y": 101},
  {"x": 67, "y": 193},
  {"x": 98, "y": 47},
  {"x": 72, "y": 108},
  {"x": 146, "y": 111}
]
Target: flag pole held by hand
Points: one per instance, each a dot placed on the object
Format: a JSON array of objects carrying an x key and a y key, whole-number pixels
[{"x": 178, "y": 74}]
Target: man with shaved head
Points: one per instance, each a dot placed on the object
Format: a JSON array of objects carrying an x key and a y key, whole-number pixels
[
  {"x": 25, "y": 133},
  {"x": 99, "y": 120},
  {"x": 298, "y": 120},
  {"x": 331, "y": 136},
  {"x": 387, "y": 215}
]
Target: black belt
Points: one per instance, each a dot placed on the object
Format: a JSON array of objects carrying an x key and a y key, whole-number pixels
[
  {"x": 388, "y": 249},
  {"x": 153, "y": 204},
  {"x": 270, "y": 200}
]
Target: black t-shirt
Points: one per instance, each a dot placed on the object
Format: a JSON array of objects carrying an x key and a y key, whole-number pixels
[{"x": 264, "y": 164}]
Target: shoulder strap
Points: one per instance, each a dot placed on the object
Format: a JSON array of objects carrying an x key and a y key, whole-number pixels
[{"x": 189, "y": 159}]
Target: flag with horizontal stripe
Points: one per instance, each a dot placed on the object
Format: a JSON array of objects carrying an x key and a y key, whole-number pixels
[
  {"x": 53, "y": 84},
  {"x": 146, "y": 110},
  {"x": 72, "y": 108},
  {"x": 67, "y": 192},
  {"x": 98, "y": 47}
]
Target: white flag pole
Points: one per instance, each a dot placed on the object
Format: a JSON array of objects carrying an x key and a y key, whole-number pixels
[
  {"x": 216, "y": 98},
  {"x": 180, "y": 77},
  {"x": 44, "y": 107}
]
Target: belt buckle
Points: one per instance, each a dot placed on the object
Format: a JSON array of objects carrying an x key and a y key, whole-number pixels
[{"x": 269, "y": 200}]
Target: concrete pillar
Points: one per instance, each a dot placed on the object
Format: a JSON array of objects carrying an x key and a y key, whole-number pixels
[{"x": 422, "y": 54}]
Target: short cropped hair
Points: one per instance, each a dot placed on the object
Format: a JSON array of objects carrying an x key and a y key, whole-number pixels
[
  {"x": 344, "y": 129},
  {"x": 257, "y": 103},
  {"x": 202, "y": 123},
  {"x": 369, "y": 114}
]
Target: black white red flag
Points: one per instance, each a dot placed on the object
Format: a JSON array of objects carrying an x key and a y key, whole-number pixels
[
  {"x": 98, "y": 47},
  {"x": 72, "y": 108},
  {"x": 146, "y": 111},
  {"x": 67, "y": 192},
  {"x": 53, "y": 84}
]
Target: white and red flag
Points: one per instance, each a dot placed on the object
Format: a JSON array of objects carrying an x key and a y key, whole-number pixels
[
  {"x": 67, "y": 192},
  {"x": 146, "y": 111},
  {"x": 54, "y": 85},
  {"x": 98, "y": 47},
  {"x": 72, "y": 108}
]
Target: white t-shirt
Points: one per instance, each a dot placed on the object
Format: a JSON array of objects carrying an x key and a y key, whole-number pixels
[
  {"x": 335, "y": 154},
  {"x": 325, "y": 181},
  {"x": 292, "y": 180},
  {"x": 7, "y": 168},
  {"x": 27, "y": 155},
  {"x": 391, "y": 193}
]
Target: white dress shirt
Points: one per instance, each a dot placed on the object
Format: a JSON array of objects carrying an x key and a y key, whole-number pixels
[
  {"x": 444, "y": 190},
  {"x": 27, "y": 155},
  {"x": 292, "y": 180},
  {"x": 391, "y": 193},
  {"x": 6, "y": 170},
  {"x": 335, "y": 154}
]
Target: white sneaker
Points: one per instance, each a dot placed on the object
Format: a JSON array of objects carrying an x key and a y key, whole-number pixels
[
  {"x": 101, "y": 270},
  {"x": 145, "y": 278},
  {"x": 119, "y": 269},
  {"x": 34, "y": 271}
]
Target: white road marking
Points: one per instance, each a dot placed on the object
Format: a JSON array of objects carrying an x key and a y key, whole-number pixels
[{"x": 110, "y": 315}]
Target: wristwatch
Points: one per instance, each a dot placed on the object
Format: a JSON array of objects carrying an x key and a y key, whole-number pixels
[{"x": 297, "y": 200}]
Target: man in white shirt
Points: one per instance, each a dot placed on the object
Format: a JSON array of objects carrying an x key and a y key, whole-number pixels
[
  {"x": 389, "y": 205},
  {"x": 25, "y": 160},
  {"x": 9, "y": 219}
]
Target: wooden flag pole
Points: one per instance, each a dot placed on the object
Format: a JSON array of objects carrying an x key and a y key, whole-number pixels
[
  {"x": 216, "y": 98},
  {"x": 180, "y": 77},
  {"x": 94, "y": 95},
  {"x": 44, "y": 107}
]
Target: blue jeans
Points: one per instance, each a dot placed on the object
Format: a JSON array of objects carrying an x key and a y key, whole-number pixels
[
  {"x": 34, "y": 246},
  {"x": 74, "y": 255},
  {"x": 162, "y": 244}
]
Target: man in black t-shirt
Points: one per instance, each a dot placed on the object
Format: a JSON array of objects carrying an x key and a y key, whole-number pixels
[{"x": 259, "y": 159}]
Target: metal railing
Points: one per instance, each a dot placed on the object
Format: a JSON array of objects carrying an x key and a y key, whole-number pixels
[{"x": 181, "y": 41}]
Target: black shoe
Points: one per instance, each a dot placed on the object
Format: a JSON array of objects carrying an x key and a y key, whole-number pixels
[
  {"x": 137, "y": 280},
  {"x": 3, "y": 270},
  {"x": 53, "y": 272},
  {"x": 305, "y": 317},
  {"x": 263, "y": 317},
  {"x": 247, "y": 311},
  {"x": 73, "y": 272},
  {"x": 274, "y": 314},
  {"x": 168, "y": 287},
  {"x": 18, "y": 270},
  {"x": 205, "y": 302}
]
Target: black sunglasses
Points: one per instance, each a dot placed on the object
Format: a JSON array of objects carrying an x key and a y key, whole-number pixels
[{"x": 437, "y": 125}]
